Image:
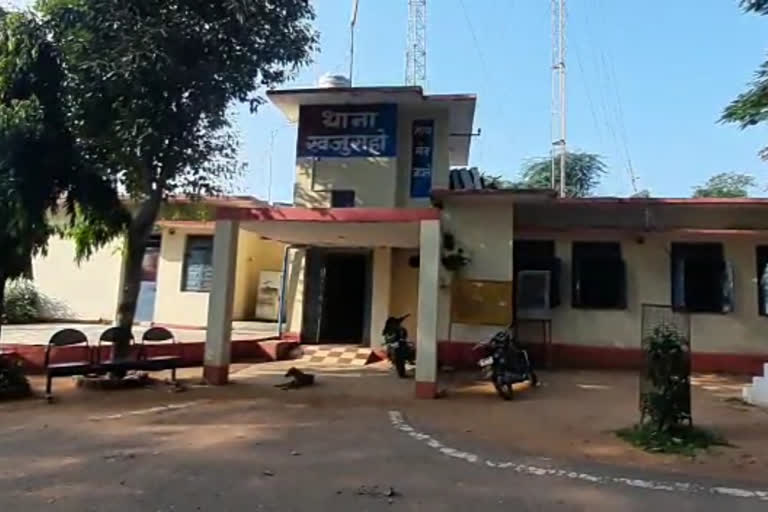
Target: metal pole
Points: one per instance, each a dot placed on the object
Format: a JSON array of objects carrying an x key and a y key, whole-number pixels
[
  {"x": 272, "y": 135},
  {"x": 554, "y": 107},
  {"x": 352, "y": 23},
  {"x": 562, "y": 99}
]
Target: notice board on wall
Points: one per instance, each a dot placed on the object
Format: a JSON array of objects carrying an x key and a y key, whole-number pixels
[
  {"x": 422, "y": 147},
  {"x": 478, "y": 302}
]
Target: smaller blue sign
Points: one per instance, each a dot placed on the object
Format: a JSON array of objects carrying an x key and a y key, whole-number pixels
[
  {"x": 347, "y": 131},
  {"x": 422, "y": 147}
]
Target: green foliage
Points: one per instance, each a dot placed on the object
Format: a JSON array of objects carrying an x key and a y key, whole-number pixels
[
  {"x": 13, "y": 382},
  {"x": 758, "y": 6},
  {"x": 726, "y": 184},
  {"x": 150, "y": 86},
  {"x": 751, "y": 107},
  {"x": 681, "y": 440},
  {"x": 583, "y": 172},
  {"x": 22, "y": 302},
  {"x": 497, "y": 182},
  {"x": 41, "y": 171},
  {"x": 666, "y": 404}
]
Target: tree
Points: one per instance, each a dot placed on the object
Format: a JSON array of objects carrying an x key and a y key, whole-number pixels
[
  {"x": 726, "y": 184},
  {"x": 582, "y": 173},
  {"x": 751, "y": 107},
  {"x": 150, "y": 83},
  {"x": 40, "y": 171}
]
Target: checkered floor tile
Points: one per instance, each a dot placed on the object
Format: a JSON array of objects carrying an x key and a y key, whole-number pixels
[{"x": 352, "y": 355}]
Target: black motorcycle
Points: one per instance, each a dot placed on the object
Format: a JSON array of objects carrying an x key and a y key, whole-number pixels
[
  {"x": 399, "y": 350},
  {"x": 506, "y": 363}
]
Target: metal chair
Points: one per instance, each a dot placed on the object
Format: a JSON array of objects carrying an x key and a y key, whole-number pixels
[
  {"x": 115, "y": 335},
  {"x": 82, "y": 366},
  {"x": 157, "y": 336}
]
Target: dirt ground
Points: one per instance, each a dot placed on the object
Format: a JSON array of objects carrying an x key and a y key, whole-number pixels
[
  {"x": 250, "y": 446},
  {"x": 573, "y": 416}
]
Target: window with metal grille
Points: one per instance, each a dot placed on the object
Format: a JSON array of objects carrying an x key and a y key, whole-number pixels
[{"x": 197, "y": 274}]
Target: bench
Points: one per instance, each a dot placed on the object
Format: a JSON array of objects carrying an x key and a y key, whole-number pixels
[
  {"x": 142, "y": 357},
  {"x": 139, "y": 358},
  {"x": 83, "y": 365}
]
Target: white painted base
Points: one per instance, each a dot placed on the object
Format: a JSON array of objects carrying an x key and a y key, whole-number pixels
[{"x": 757, "y": 392}]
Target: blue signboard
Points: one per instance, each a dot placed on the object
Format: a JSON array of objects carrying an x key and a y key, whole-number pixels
[
  {"x": 422, "y": 147},
  {"x": 347, "y": 131}
]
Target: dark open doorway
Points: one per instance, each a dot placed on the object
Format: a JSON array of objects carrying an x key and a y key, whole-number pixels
[{"x": 336, "y": 296}]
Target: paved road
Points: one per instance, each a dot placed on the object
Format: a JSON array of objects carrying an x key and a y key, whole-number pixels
[{"x": 263, "y": 455}]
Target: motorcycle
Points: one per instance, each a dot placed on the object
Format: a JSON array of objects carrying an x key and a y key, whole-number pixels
[
  {"x": 506, "y": 363},
  {"x": 399, "y": 350}
]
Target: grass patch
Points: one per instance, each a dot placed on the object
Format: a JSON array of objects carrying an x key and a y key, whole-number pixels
[{"x": 681, "y": 440}]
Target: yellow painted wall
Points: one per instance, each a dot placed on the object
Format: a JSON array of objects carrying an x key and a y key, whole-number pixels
[
  {"x": 294, "y": 293},
  {"x": 372, "y": 179},
  {"x": 404, "y": 291},
  {"x": 648, "y": 281},
  {"x": 377, "y": 182},
  {"x": 253, "y": 256},
  {"x": 174, "y": 306},
  {"x": 486, "y": 233},
  {"x": 87, "y": 291}
]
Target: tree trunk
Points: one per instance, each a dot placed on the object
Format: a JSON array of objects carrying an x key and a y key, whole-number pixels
[{"x": 135, "y": 245}]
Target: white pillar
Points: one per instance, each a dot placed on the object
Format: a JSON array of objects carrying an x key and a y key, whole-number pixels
[
  {"x": 380, "y": 294},
  {"x": 429, "y": 287},
  {"x": 219, "y": 331}
]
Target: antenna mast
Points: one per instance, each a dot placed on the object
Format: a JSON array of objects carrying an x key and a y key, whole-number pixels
[
  {"x": 558, "y": 95},
  {"x": 352, "y": 23},
  {"x": 416, "y": 49}
]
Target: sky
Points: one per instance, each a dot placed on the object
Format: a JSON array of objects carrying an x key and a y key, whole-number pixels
[{"x": 647, "y": 82}]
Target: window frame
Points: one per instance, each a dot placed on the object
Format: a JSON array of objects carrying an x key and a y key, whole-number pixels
[
  {"x": 336, "y": 195},
  {"x": 188, "y": 241},
  {"x": 761, "y": 261},
  {"x": 712, "y": 253},
  {"x": 611, "y": 251}
]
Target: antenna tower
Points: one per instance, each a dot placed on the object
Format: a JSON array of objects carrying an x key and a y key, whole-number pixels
[
  {"x": 416, "y": 50},
  {"x": 558, "y": 94}
]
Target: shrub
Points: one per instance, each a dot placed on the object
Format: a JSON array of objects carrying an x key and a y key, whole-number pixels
[
  {"x": 665, "y": 398},
  {"x": 22, "y": 302},
  {"x": 666, "y": 402}
]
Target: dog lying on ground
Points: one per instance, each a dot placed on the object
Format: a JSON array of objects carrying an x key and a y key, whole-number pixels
[{"x": 299, "y": 379}]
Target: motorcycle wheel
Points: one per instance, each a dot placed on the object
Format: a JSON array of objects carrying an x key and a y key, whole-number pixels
[{"x": 504, "y": 389}]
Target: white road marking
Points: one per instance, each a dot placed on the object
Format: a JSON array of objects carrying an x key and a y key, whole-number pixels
[
  {"x": 687, "y": 487},
  {"x": 151, "y": 410}
]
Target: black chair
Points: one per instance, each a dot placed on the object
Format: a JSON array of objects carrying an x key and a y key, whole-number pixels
[
  {"x": 83, "y": 366},
  {"x": 158, "y": 336},
  {"x": 115, "y": 335}
]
